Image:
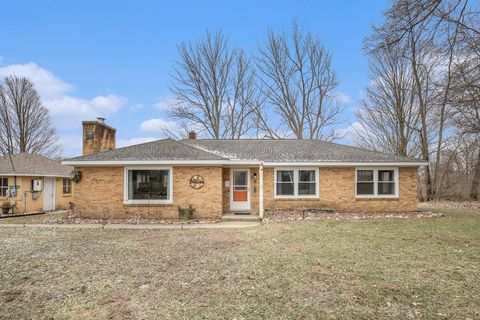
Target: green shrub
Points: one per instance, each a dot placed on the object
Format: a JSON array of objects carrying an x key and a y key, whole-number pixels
[{"x": 186, "y": 213}]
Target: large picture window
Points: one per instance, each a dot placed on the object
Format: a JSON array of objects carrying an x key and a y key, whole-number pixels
[
  {"x": 296, "y": 183},
  {"x": 377, "y": 182},
  {"x": 3, "y": 187},
  {"x": 148, "y": 186}
]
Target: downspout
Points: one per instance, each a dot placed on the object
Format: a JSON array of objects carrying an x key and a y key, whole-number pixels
[{"x": 260, "y": 194}]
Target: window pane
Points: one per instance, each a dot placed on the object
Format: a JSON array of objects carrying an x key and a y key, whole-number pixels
[
  {"x": 386, "y": 188},
  {"x": 365, "y": 175},
  {"x": 285, "y": 175},
  {"x": 148, "y": 185},
  {"x": 386, "y": 175},
  {"x": 240, "y": 178},
  {"x": 365, "y": 188},
  {"x": 285, "y": 189},
  {"x": 306, "y": 188},
  {"x": 306, "y": 175}
]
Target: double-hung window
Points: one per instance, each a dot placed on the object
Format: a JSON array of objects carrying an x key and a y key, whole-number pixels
[
  {"x": 376, "y": 182},
  {"x": 67, "y": 186},
  {"x": 296, "y": 183},
  {"x": 3, "y": 187},
  {"x": 148, "y": 185}
]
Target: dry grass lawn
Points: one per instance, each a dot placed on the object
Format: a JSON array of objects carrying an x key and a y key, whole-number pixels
[{"x": 377, "y": 268}]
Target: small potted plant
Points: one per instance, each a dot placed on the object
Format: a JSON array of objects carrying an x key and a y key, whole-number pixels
[
  {"x": 6, "y": 206},
  {"x": 186, "y": 213}
]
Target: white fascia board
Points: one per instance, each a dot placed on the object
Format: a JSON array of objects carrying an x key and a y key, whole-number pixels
[
  {"x": 79, "y": 163},
  {"x": 158, "y": 162},
  {"x": 346, "y": 164},
  {"x": 33, "y": 175}
]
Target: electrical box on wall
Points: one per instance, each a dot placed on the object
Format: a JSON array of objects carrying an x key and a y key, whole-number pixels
[{"x": 37, "y": 185}]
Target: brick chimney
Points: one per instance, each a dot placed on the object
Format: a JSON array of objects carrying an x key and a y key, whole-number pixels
[
  {"x": 97, "y": 136},
  {"x": 192, "y": 135}
]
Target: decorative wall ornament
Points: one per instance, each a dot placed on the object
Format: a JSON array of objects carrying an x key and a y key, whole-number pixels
[
  {"x": 197, "y": 182},
  {"x": 76, "y": 176}
]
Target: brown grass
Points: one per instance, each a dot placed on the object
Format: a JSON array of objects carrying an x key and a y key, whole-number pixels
[{"x": 377, "y": 268}]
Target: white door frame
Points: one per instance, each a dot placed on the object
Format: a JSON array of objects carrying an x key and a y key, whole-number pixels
[
  {"x": 246, "y": 204},
  {"x": 46, "y": 194}
]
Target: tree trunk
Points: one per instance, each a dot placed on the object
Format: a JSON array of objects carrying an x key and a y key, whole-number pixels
[{"x": 476, "y": 180}]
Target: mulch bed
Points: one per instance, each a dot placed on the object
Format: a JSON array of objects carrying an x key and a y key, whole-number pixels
[
  {"x": 299, "y": 215},
  {"x": 71, "y": 218}
]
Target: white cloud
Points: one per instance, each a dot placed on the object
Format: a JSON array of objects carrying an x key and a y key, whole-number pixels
[
  {"x": 343, "y": 98},
  {"x": 47, "y": 85},
  {"x": 55, "y": 94},
  {"x": 166, "y": 104},
  {"x": 159, "y": 125},
  {"x": 128, "y": 142},
  {"x": 71, "y": 144},
  {"x": 348, "y": 134}
]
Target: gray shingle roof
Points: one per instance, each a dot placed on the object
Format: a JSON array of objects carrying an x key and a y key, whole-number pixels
[
  {"x": 246, "y": 149},
  {"x": 32, "y": 164},
  {"x": 290, "y": 150},
  {"x": 166, "y": 149}
]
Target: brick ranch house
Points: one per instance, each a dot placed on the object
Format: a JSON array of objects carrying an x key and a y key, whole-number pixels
[{"x": 218, "y": 177}]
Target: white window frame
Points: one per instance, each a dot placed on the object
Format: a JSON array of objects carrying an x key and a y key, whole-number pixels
[
  {"x": 63, "y": 186},
  {"x": 295, "y": 183},
  {"x": 6, "y": 187},
  {"x": 375, "y": 183},
  {"x": 146, "y": 201}
]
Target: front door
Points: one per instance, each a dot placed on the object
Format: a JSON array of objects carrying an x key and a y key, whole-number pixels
[
  {"x": 48, "y": 194},
  {"x": 240, "y": 190}
]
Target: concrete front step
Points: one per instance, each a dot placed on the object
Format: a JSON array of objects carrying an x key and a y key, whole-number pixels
[{"x": 240, "y": 217}]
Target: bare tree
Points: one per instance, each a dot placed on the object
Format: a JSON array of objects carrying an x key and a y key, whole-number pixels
[
  {"x": 428, "y": 30},
  {"x": 25, "y": 123},
  {"x": 388, "y": 115},
  {"x": 298, "y": 85},
  {"x": 214, "y": 88}
]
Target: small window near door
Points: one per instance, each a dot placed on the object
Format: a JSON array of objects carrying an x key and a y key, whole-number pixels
[
  {"x": 296, "y": 183},
  {"x": 3, "y": 187},
  {"x": 67, "y": 186}
]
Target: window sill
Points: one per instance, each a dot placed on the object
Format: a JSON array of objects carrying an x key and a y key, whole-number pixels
[
  {"x": 379, "y": 198},
  {"x": 148, "y": 204},
  {"x": 67, "y": 195},
  {"x": 297, "y": 198}
]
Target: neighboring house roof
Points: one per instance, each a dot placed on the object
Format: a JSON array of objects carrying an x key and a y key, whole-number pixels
[
  {"x": 28, "y": 164},
  {"x": 229, "y": 151}
]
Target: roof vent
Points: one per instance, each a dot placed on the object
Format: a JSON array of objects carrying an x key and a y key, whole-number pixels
[
  {"x": 192, "y": 135},
  {"x": 101, "y": 120}
]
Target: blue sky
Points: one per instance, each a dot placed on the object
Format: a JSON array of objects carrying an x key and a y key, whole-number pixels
[{"x": 113, "y": 58}]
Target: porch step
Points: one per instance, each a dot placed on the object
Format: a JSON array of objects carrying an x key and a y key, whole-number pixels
[{"x": 240, "y": 217}]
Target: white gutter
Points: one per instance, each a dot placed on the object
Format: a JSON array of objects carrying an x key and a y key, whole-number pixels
[
  {"x": 78, "y": 163},
  {"x": 33, "y": 175}
]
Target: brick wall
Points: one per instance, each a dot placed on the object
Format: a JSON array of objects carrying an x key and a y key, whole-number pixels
[
  {"x": 102, "y": 139},
  {"x": 337, "y": 191},
  {"x": 100, "y": 194}
]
